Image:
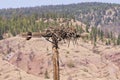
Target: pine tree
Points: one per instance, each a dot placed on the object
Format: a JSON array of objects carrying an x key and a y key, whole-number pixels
[
  {"x": 118, "y": 40},
  {"x": 101, "y": 35},
  {"x": 87, "y": 29}
]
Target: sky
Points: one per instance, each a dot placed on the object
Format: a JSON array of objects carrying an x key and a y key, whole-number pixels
[{"x": 32, "y": 3}]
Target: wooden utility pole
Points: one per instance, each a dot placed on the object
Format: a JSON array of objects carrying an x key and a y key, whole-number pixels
[
  {"x": 56, "y": 64},
  {"x": 54, "y": 35},
  {"x": 55, "y": 57}
]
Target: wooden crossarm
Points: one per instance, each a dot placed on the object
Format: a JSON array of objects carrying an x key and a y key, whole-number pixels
[{"x": 35, "y": 35}]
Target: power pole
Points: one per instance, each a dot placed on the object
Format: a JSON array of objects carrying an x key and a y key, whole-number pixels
[
  {"x": 54, "y": 35},
  {"x": 55, "y": 57}
]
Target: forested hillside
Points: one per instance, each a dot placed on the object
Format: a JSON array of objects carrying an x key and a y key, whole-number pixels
[
  {"x": 93, "y": 14},
  {"x": 103, "y": 15}
]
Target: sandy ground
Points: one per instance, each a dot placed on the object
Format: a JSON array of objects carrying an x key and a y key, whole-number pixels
[{"x": 32, "y": 60}]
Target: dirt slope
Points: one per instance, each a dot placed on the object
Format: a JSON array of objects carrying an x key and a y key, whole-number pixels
[{"x": 77, "y": 62}]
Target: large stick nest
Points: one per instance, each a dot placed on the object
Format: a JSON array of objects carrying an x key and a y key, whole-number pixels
[
  {"x": 61, "y": 33},
  {"x": 56, "y": 34}
]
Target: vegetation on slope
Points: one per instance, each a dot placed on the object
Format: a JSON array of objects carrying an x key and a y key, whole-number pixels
[{"x": 35, "y": 19}]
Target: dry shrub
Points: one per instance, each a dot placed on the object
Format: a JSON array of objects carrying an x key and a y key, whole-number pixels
[
  {"x": 70, "y": 64},
  {"x": 46, "y": 75}
]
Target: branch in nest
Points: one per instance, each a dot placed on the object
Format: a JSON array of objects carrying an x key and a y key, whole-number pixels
[{"x": 48, "y": 39}]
